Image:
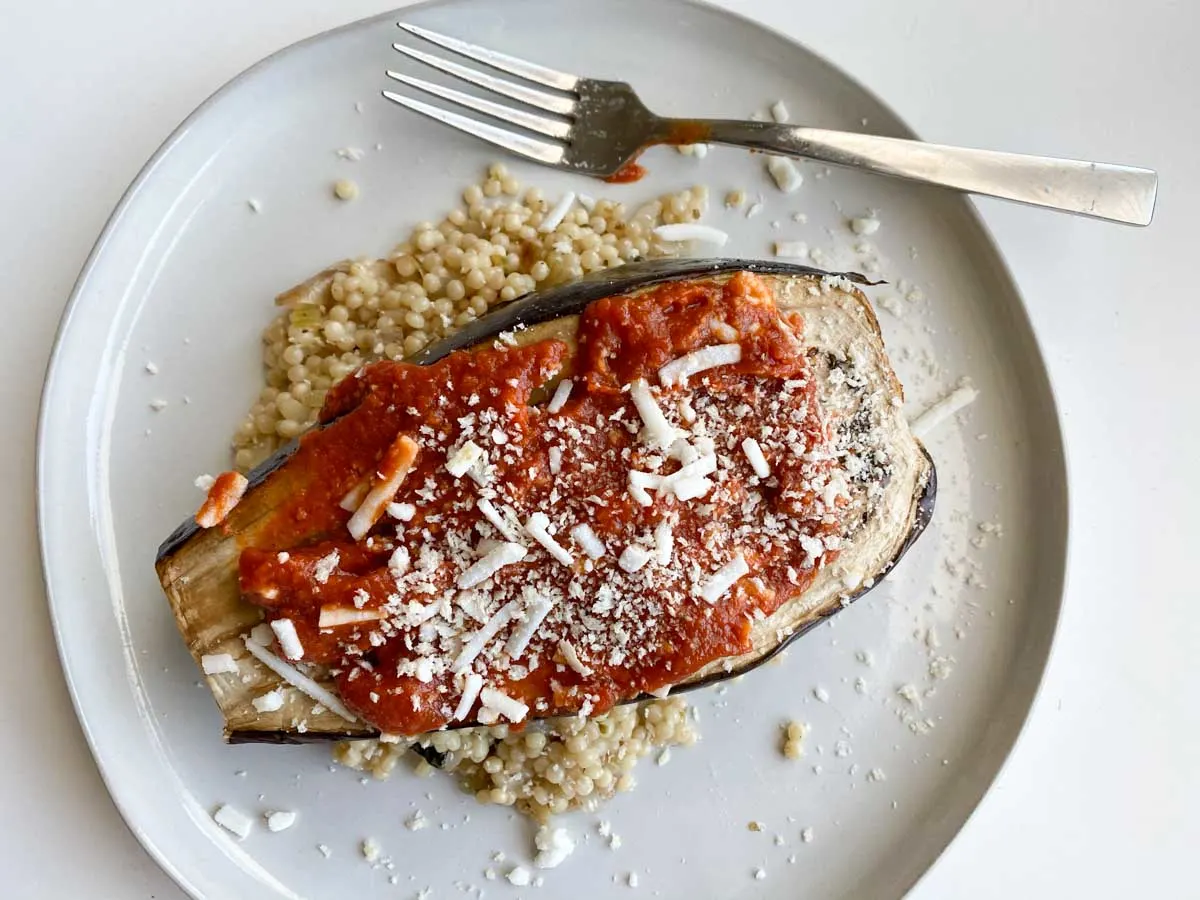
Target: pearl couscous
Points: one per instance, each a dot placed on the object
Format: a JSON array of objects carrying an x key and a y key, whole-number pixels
[
  {"x": 549, "y": 768},
  {"x": 501, "y": 243}
]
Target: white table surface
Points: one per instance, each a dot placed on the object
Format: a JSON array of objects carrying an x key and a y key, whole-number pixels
[{"x": 1102, "y": 796}]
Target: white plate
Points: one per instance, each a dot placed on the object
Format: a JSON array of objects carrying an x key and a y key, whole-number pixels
[{"x": 183, "y": 276}]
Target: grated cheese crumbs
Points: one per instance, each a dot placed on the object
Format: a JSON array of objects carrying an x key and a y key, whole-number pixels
[
  {"x": 464, "y": 458},
  {"x": 401, "y": 512},
  {"x": 325, "y": 566},
  {"x": 553, "y": 845},
  {"x": 280, "y": 820},
  {"x": 864, "y": 225},
  {"x": 268, "y": 702},
  {"x": 519, "y": 876},
  {"x": 234, "y": 821}
]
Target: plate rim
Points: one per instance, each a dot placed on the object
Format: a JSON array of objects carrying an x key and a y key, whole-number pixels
[{"x": 56, "y": 606}]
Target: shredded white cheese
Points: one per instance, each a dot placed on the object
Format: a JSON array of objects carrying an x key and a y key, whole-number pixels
[
  {"x": 690, "y": 488},
  {"x": 779, "y": 111},
  {"x": 299, "y": 680},
  {"x": 218, "y": 664},
  {"x": 664, "y": 543},
  {"x": 537, "y": 526},
  {"x": 535, "y": 614},
  {"x": 403, "y": 453},
  {"x": 588, "y": 540},
  {"x": 678, "y": 371},
  {"x": 561, "y": 394},
  {"x": 289, "y": 641},
  {"x": 687, "y": 231},
  {"x": 471, "y": 687},
  {"x": 959, "y": 398},
  {"x": 720, "y": 582},
  {"x": 354, "y": 497},
  {"x": 571, "y": 658},
  {"x": 633, "y": 558},
  {"x": 554, "y": 458},
  {"x": 337, "y": 616},
  {"x": 556, "y": 215},
  {"x": 640, "y": 485},
  {"x": 658, "y": 431},
  {"x": 754, "y": 454},
  {"x": 492, "y": 562},
  {"x": 496, "y": 518},
  {"x": 784, "y": 173},
  {"x": 480, "y": 639},
  {"x": 791, "y": 249},
  {"x": 513, "y": 710}
]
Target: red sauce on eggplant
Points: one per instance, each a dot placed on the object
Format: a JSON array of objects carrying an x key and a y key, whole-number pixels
[{"x": 610, "y": 634}]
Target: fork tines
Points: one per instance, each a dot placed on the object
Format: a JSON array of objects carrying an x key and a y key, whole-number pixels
[{"x": 559, "y": 104}]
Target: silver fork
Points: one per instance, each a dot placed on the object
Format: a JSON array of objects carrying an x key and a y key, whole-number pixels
[{"x": 599, "y": 127}]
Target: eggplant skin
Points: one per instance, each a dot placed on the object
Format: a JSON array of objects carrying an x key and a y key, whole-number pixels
[{"x": 197, "y": 567}]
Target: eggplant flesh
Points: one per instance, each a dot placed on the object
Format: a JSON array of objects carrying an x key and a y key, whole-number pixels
[{"x": 198, "y": 568}]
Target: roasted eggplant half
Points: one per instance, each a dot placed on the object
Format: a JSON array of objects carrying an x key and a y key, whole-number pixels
[{"x": 726, "y": 435}]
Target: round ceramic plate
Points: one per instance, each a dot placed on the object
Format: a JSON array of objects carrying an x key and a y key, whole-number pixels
[{"x": 914, "y": 695}]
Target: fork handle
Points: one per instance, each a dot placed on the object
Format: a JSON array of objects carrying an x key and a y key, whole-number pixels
[{"x": 1101, "y": 190}]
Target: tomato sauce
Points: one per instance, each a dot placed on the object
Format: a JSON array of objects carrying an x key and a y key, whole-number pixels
[{"x": 615, "y": 629}]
